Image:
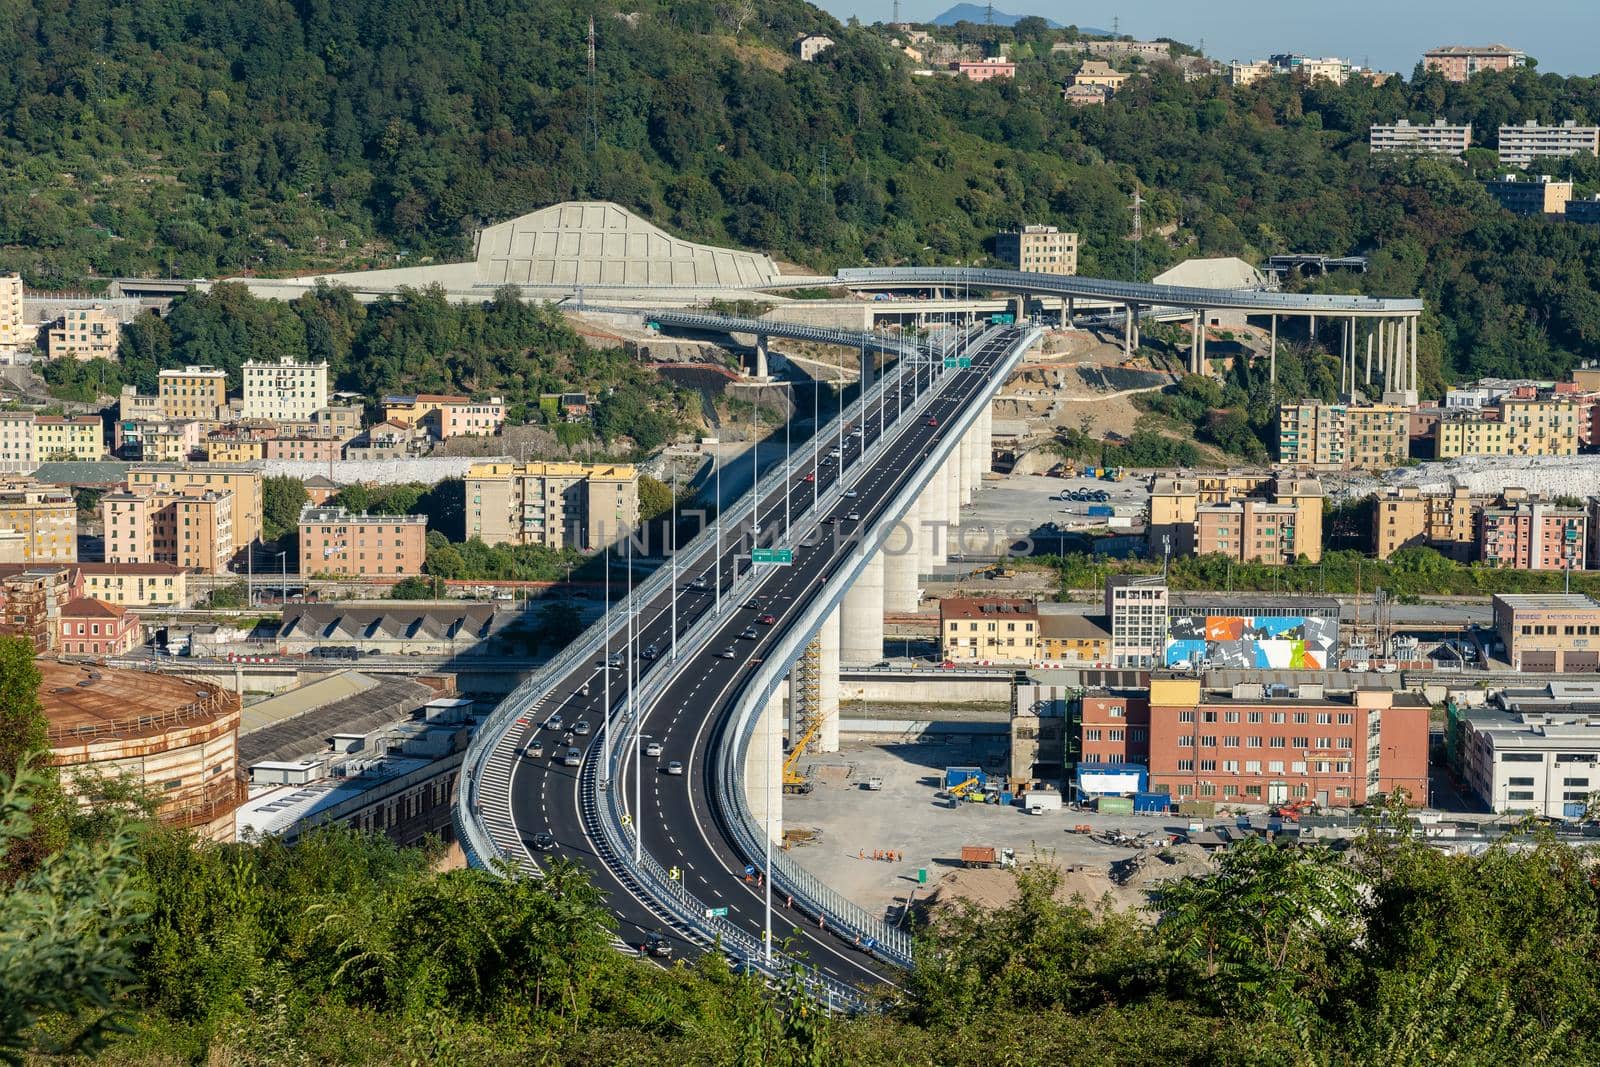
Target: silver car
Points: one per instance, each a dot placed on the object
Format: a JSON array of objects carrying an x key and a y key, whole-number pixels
[
  {"x": 573, "y": 758},
  {"x": 674, "y": 767}
]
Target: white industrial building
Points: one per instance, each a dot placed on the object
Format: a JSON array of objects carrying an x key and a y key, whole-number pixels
[{"x": 1535, "y": 754}]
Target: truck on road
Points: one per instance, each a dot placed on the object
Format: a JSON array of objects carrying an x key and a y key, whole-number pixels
[{"x": 987, "y": 856}]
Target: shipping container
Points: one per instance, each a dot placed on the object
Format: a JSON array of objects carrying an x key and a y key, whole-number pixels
[
  {"x": 1105, "y": 510},
  {"x": 1152, "y": 802}
]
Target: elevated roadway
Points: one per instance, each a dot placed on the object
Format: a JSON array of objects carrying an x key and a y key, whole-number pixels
[{"x": 704, "y": 649}]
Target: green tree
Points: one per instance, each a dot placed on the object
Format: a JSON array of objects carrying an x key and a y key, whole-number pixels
[
  {"x": 282, "y": 497},
  {"x": 68, "y": 927},
  {"x": 655, "y": 498},
  {"x": 24, "y": 738}
]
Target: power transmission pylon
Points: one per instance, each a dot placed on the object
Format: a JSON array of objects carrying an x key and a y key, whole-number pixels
[{"x": 594, "y": 117}]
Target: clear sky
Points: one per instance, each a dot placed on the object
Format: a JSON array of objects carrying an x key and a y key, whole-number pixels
[{"x": 1385, "y": 34}]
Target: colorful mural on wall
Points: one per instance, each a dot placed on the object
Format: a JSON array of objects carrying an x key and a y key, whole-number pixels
[{"x": 1259, "y": 642}]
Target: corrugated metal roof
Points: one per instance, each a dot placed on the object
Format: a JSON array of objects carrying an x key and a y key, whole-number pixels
[{"x": 320, "y": 693}]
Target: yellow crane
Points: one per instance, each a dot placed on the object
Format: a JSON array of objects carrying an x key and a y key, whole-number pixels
[
  {"x": 794, "y": 782},
  {"x": 959, "y": 792}
]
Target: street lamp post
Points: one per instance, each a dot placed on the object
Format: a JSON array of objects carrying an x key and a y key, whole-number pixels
[
  {"x": 673, "y": 535},
  {"x": 605, "y": 668}
]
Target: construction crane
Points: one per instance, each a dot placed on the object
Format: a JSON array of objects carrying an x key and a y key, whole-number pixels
[
  {"x": 959, "y": 792},
  {"x": 793, "y": 781}
]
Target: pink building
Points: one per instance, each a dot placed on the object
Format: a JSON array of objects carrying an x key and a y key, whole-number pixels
[
  {"x": 94, "y": 628},
  {"x": 981, "y": 70},
  {"x": 471, "y": 418},
  {"x": 316, "y": 449},
  {"x": 1533, "y": 537},
  {"x": 335, "y": 542}
]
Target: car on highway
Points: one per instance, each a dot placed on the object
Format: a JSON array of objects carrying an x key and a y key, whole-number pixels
[
  {"x": 850, "y": 494},
  {"x": 767, "y": 620},
  {"x": 675, "y": 767},
  {"x": 754, "y": 604},
  {"x": 572, "y": 758},
  {"x": 650, "y": 652},
  {"x": 615, "y": 662},
  {"x": 657, "y": 945},
  {"x": 933, "y": 420},
  {"x": 702, "y": 583},
  {"x": 543, "y": 842},
  {"x": 554, "y": 722},
  {"x": 810, "y": 477},
  {"x": 854, "y": 516},
  {"x": 727, "y": 653},
  {"x": 653, "y": 749},
  {"x": 583, "y": 690},
  {"x": 535, "y": 748},
  {"x": 748, "y": 633},
  {"x": 582, "y": 727}
]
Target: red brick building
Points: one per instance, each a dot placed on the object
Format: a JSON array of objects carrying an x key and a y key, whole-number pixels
[
  {"x": 1337, "y": 750},
  {"x": 335, "y": 542},
  {"x": 1113, "y": 727}
]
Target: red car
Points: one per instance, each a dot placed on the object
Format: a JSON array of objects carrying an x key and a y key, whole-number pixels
[
  {"x": 767, "y": 620},
  {"x": 932, "y": 421},
  {"x": 809, "y": 478}
]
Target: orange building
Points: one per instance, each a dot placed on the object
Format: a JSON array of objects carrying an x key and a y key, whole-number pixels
[
  {"x": 335, "y": 542},
  {"x": 94, "y": 628},
  {"x": 190, "y": 527}
]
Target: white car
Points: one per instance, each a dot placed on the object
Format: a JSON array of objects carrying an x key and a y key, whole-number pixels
[
  {"x": 674, "y": 767},
  {"x": 572, "y": 758},
  {"x": 653, "y": 749},
  {"x": 850, "y": 494}
]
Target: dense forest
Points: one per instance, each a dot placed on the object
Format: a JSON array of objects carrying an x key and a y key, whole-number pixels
[
  {"x": 205, "y": 139},
  {"x": 139, "y": 945}
]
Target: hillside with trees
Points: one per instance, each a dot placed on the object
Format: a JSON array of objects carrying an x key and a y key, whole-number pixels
[{"x": 207, "y": 139}]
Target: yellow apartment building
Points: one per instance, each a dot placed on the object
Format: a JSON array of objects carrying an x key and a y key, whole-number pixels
[
  {"x": 59, "y": 437},
  {"x": 44, "y": 515},
  {"x": 243, "y": 481},
  {"x": 193, "y": 393},
  {"x": 581, "y": 505}
]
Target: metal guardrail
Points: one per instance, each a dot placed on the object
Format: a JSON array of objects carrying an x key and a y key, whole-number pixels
[
  {"x": 489, "y": 742},
  {"x": 1134, "y": 292},
  {"x": 842, "y": 914}
]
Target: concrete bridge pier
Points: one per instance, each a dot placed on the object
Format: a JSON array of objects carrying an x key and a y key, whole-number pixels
[
  {"x": 762, "y": 370},
  {"x": 901, "y": 556},
  {"x": 969, "y": 464},
  {"x": 1019, "y": 307},
  {"x": 952, "y": 496},
  {"x": 935, "y": 522},
  {"x": 861, "y": 625},
  {"x": 763, "y": 765},
  {"x": 1272, "y": 353}
]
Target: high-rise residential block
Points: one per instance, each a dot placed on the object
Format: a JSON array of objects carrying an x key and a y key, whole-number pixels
[
  {"x": 1440, "y": 138},
  {"x": 285, "y": 391},
  {"x": 1521, "y": 145},
  {"x": 186, "y": 526},
  {"x": 559, "y": 505},
  {"x": 1039, "y": 249},
  {"x": 243, "y": 481},
  {"x": 1537, "y": 197}
]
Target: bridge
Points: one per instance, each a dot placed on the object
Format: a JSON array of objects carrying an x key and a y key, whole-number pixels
[
  {"x": 758, "y": 613},
  {"x": 1392, "y": 322}
]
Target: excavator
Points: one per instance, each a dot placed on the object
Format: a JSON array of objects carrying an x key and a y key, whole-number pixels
[{"x": 793, "y": 781}]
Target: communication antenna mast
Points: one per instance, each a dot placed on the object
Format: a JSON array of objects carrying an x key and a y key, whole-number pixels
[
  {"x": 896, "y": 12},
  {"x": 1138, "y": 228}
]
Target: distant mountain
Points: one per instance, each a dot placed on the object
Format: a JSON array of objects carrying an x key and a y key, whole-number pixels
[{"x": 978, "y": 13}]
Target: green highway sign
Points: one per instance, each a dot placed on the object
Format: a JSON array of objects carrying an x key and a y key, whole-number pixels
[
  {"x": 716, "y": 913},
  {"x": 964, "y": 362},
  {"x": 950, "y": 362},
  {"x": 772, "y": 555}
]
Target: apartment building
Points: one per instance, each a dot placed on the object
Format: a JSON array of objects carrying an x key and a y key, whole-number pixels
[
  {"x": 1540, "y": 427},
  {"x": 1070, "y": 639},
  {"x": 1099, "y": 74},
  {"x": 234, "y": 448},
  {"x": 1458, "y": 62},
  {"x": 306, "y": 449},
  {"x": 1440, "y": 138},
  {"x": 444, "y": 416},
  {"x": 191, "y": 527},
  {"x": 1209, "y": 514},
  {"x": 1243, "y": 747},
  {"x": 15, "y": 338},
  {"x": 333, "y": 541},
  {"x": 1084, "y": 95},
  {"x": 578, "y": 505},
  {"x": 1548, "y": 632},
  {"x": 1250, "y": 531},
  {"x": 1039, "y": 249},
  {"x": 988, "y": 630},
  {"x": 982, "y": 70},
  {"x": 84, "y": 334},
  {"x": 1521, "y": 145},
  {"x": 1584, "y": 212},
  {"x": 1137, "y": 607},
  {"x": 287, "y": 390},
  {"x": 134, "y": 407},
  {"x": 16, "y": 442},
  {"x": 1249, "y": 73},
  {"x": 91, "y": 627},
  {"x": 244, "y": 482},
  {"x": 136, "y": 585},
  {"x": 1532, "y": 197},
  {"x": 193, "y": 393},
  {"x": 63, "y": 437},
  {"x": 45, "y": 515},
  {"x": 1534, "y": 536},
  {"x": 1343, "y": 436},
  {"x": 1109, "y": 726},
  {"x": 1328, "y": 68},
  {"x": 1409, "y": 518},
  {"x": 31, "y": 601}
]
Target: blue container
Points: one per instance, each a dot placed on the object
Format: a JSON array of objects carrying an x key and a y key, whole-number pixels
[
  {"x": 1005, "y": 797},
  {"x": 1101, "y": 509},
  {"x": 1152, "y": 802},
  {"x": 954, "y": 776}
]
